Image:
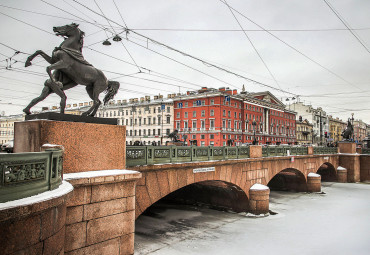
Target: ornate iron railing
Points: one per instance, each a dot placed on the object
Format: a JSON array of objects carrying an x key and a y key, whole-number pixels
[
  {"x": 149, "y": 155},
  {"x": 365, "y": 151},
  {"x": 27, "y": 174}
]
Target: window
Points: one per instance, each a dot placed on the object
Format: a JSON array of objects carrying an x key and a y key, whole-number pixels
[
  {"x": 135, "y": 132},
  {"x": 153, "y": 131},
  {"x": 130, "y": 132},
  {"x": 168, "y": 120},
  {"x": 223, "y": 124},
  {"x": 168, "y": 109},
  {"x": 203, "y": 102},
  {"x": 178, "y": 115},
  {"x": 154, "y": 119},
  {"x": 229, "y": 114},
  {"x": 194, "y": 103},
  {"x": 139, "y": 122},
  {"x": 194, "y": 124},
  {"x": 159, "y": 119},
  {"x": 211, "y": 136},
  {"x": 177, "y": 125},
  {"x": 235, "y": 115},
  {"x": 194, "y": 137},
  {"x": 186, "y": 104},
  {"x": 149, "y": 120},
  {"x": 203, "y": 124},
  {"x": 212, "y": 102},
  {"x": 212, "y": 124},
  {"x": 186, "y": 114},
  {"x": 167, "y": 131},
  {"x": 159, "y": 131},
  {"x": 144, "y": 121},
  {"x": 139, "y": 132},
  {"x": 224, "y": 113},
  {"x": 203, "y": 113},
  {"x": 212, "y": 113},
  {"x": 148, "y": 131},
  {"x": 194, "y": 114}
]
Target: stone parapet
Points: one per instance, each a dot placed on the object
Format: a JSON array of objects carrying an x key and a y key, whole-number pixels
[
  {"x": 313, "y": 182},
  {"x": 259, "y": 199},
  {"x": 365, "y": 168},
  {"x": 35, "y": 225},
  {"x": 255, "y": 151},
  {"x": 101, "y": 214},
  {"x": 352, "y": 163}
]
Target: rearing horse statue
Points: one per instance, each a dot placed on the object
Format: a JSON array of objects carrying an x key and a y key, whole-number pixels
[{"x": 71, "y": 69}]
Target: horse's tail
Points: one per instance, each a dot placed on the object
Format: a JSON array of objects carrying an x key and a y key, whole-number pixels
[{"x": 111, "y": 91}]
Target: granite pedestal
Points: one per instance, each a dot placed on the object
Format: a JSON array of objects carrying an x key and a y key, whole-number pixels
[{"x": 88, "y": 146}]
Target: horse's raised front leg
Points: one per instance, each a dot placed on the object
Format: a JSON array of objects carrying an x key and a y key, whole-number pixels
[{"x": 38, "y": 52}]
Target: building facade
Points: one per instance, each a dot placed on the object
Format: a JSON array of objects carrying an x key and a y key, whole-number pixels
[
  {"x": 148, "y": 121},
  {"x": 304, "y": 132},
  {"x": 224, "y": 117},
  {"x": 316, "y": 116},
  {"x": 359, "y": 131},
  {"x": 7, "y": 127},
  {"x": 336, "y": 127}
]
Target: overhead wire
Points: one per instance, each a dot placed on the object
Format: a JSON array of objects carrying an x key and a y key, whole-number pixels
[
  {"x": 293, "y": 48},
  {"x": 254, "y": 47},
  {"x": 346, "y": 25}
]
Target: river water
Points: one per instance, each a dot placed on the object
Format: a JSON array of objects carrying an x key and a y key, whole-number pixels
[{"x": 335, "y": 222}]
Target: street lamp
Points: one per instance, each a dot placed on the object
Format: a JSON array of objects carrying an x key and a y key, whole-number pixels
[
  {"x": 353, "y": 133},
  {"x": 254, "y": 123}
]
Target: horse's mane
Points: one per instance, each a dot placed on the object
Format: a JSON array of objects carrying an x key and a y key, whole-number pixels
[{"x": 81, "y": 40}]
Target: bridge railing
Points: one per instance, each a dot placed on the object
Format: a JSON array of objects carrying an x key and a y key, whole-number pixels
[
  {"x": 150, "y": 155},
  {"x": 27, "y": 174}
]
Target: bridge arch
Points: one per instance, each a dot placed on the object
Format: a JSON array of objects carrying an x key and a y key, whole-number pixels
[
  {"x": 328, "y": 172},
  {"x": 223, "y": 186},
  {"x": 288, "y": 179}
]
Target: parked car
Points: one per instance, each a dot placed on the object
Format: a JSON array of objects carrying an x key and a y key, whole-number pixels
[{"x": 8, "y": 147}]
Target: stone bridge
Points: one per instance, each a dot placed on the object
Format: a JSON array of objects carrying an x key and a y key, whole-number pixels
[
  {"x": 94, "y": 210},
  {"x": 158, "y": 181}
]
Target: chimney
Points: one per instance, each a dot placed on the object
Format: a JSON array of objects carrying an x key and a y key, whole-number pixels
[
  {"x": 124, "y": 101},
  {"x": 235, "y": 92},
  {"x": 222, "y": 89},
  {"x": 169, "y": 95},
  {"x": 136, "y": 100},
  {"x": 229, "y": 91},
  {"x": 142, "y": 99},
  {"x": 155, "y": 97},
  {"x": 147, "y": 98},
  {"x": 161, "y": 96},
  {"x": 187, "y": 92},
  {"x": 131, "y": 100}
]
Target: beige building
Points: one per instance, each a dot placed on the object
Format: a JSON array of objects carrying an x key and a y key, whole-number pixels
[
  {"x": 148, "y": 121},
  {"x": 304, "y": 132},
  {"x": 7, "y": 127}
]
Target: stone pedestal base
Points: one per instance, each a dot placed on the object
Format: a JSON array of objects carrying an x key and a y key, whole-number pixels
[
  {"x": 259, "y": 201},
  {"x": 342, "y": 174},
  {"x": 347, "y": 147},
  {"x": 313, "y": 182},
  {"x": 87, "y": 146}
]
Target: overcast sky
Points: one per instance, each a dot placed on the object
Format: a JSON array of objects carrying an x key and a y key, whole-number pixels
[{"x": 308, "y": 51}]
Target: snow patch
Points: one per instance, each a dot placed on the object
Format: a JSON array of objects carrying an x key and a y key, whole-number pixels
[
  {"x": 63, "y": 189},
  {"x": 258, "y": 186},
  {"x": 313, "y": 175},
  {"x": 92, "y": 174},
  {"x": 341, "y": 168}
]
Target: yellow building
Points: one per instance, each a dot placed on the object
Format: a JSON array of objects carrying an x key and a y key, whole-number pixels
[
  {"x": 304, "y": 132},
  {"x": 336, "y": 127}
]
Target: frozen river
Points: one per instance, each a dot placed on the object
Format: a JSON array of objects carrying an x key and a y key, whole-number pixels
[{"x": 337, "y": 222}]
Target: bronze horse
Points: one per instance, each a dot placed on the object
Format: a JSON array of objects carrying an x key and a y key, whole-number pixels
[{"x": 71, "y": 69}]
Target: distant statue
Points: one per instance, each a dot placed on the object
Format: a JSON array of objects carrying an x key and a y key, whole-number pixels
[
  {"x": 174, "y": 136},
  {"x": 347, "y": 133},
  {"x": 71, "y": 69}
]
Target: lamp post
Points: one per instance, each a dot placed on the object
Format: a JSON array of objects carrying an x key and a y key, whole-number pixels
[
  {"x": 261, "y": 128},
  {"x": 254, "y": 124},
  {"x": 353, "y": 133}
]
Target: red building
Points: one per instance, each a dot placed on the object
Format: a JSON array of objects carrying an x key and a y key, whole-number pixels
[{"x": 220, "y": 117}]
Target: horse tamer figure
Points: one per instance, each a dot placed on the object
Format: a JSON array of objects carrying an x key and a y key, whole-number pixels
[{"x": 71, "y": 69}]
